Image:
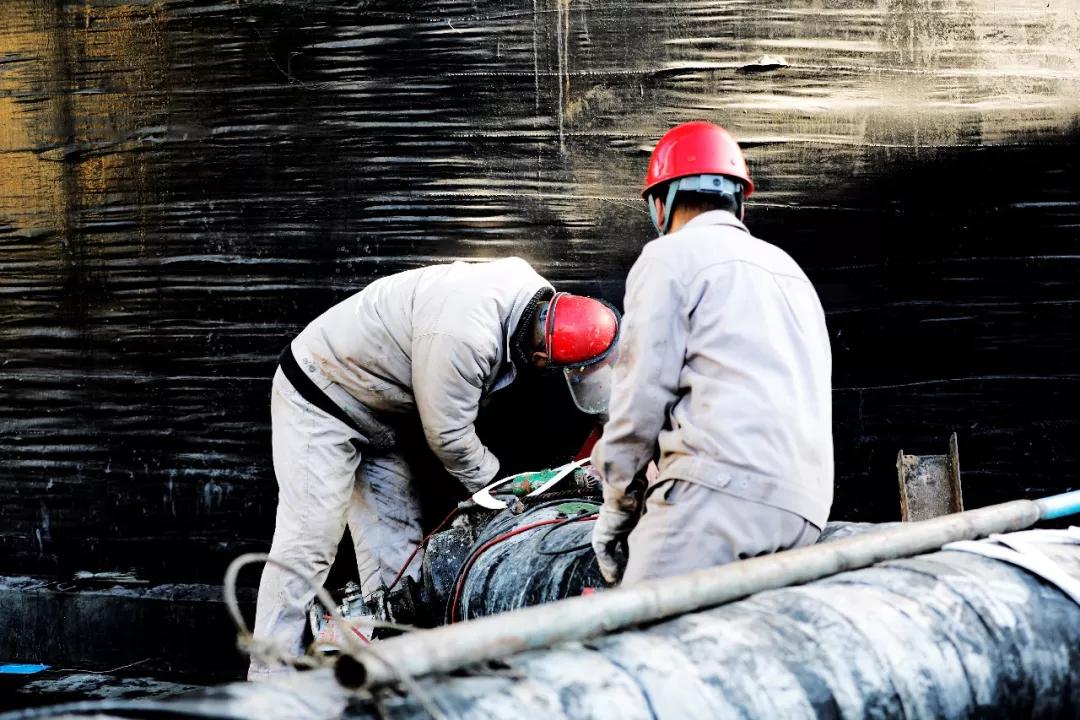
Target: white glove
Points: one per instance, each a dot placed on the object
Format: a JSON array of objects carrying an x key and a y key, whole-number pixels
[{"x": 609, "y": 540}]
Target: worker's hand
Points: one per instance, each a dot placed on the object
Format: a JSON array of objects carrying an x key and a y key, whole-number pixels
[{"x": 609, "y": 540}]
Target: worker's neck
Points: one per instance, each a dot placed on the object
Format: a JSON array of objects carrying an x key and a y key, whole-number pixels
[{"x": 683, "y": 215}]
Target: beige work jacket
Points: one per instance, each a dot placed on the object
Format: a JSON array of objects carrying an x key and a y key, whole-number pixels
[
  {"x": 433, "y": 342},
  {"x": 725, "y": 369}
]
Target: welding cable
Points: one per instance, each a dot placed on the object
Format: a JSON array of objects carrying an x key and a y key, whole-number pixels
[
  {"x": 460, "y": 584},
  {"x": 423, "y": 543},
  {"x": 540, "y": 550}
]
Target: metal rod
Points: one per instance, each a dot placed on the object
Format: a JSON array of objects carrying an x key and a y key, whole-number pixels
[
  {"x": 1059, "y": 506},
  {"x": 455, "y": 646}
]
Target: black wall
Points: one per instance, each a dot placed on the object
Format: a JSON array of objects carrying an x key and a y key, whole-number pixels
[{"x": 184, "y": 184}]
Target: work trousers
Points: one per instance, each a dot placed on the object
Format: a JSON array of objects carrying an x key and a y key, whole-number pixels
[
  {"x": 688, "y": 526},
  {"x": 324, "y": 484}
]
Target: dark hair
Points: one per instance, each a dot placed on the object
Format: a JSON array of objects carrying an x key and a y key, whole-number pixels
[{"x": 704, "y": 202}]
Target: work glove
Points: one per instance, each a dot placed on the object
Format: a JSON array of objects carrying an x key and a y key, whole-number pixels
[{"x": 612, "y": 527}]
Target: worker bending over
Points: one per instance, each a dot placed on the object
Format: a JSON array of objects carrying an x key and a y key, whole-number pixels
[
  {"x": 725, "y": 370},
  {"x": 411, "y": 354}
]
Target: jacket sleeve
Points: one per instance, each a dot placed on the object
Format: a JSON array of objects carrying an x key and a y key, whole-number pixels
[
  {"x": 448, "y": 381},
  {"x": 646, "y": 385}
]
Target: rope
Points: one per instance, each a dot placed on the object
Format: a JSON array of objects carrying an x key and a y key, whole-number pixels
[{"x": 266, "y": 651}]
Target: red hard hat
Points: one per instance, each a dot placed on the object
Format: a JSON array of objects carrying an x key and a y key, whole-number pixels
[
  {"x": 696, "y": 148},
  {"x": 579, "y": 330}
]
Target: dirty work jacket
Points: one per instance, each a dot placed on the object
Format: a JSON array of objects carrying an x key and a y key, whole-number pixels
[
  {"x": 726, "y": 366},
  {"x": 430, "y": 342}
]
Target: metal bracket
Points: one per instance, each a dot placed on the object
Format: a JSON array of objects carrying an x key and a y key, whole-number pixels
[{"x": 929, "y": 484}]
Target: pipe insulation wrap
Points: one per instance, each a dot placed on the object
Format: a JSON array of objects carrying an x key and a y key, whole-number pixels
[
  {"x": 449, "y": 648},
  {"x": 946, "y": 635},
  {"x": 536, "y": 567}
]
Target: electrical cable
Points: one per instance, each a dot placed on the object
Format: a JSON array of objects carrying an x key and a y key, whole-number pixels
[
  {"x": 423, "y": 543},
  {"x": 540, "y": 550},
  {"x": 467, "y": 566},
  {"x": 459, "y": 583}
]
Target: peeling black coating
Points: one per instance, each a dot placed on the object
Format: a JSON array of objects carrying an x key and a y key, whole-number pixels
[{"x": 185, "y": 183}]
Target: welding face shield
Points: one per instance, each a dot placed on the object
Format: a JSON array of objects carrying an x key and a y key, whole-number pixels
[
  {"x": 590, "y": 385},
  {"x": 581, "y": 336}
]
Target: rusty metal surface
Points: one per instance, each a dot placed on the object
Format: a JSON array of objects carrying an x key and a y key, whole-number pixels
[
  {"x": 930, "y": 484},
  {"x": 185, "y": 183}
]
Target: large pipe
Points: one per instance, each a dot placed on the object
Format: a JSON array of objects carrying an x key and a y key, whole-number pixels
[
  {"x": 950, "y": 635},
  {"x": 452, "y": 647}
]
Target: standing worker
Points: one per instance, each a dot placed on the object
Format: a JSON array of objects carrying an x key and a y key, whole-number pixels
[
  {"x": 725, "y": 371},
  {"x": 411, "y": 355}
]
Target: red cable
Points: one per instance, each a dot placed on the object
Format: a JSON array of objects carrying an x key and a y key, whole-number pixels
[
  {"x": 590, "y": 442},
  {"x": 495, "y": 541},
  {"x": 422, "y": 543},
  {"x": 360, "y": 635}
]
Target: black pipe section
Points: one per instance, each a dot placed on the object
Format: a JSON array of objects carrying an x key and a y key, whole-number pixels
[
  {"x": 944, "y": 635},
  {"x": 546, "y": 563}
]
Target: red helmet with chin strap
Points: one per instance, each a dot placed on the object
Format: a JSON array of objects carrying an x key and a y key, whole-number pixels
[
  {"x": 694, "y": 157},
  {"x": 579, "y": 330}
]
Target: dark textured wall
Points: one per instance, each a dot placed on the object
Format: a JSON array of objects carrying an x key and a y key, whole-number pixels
[{"x": 183, "y": 184}]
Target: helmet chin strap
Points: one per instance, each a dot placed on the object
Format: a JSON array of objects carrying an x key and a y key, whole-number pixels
[
  {"x": 718, "y": 184},
  {"x": 673, "y": 189}
]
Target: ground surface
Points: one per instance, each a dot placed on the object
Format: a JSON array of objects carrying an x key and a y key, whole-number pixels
[{"x": 60, "y": 686}]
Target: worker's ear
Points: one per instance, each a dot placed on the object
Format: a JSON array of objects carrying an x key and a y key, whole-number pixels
[
  {"x": 661, "y": 219},
  {"x": 539, "y": 356}
]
